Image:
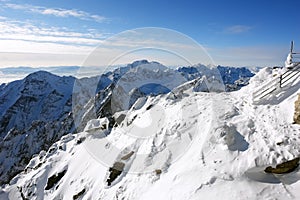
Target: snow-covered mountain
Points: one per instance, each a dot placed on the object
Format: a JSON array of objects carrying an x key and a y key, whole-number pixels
[
  {"x": 234, "y": 78},
  {"x": 34, "y": 113},
  {"x": 37, "y": 111},
  {"x": 180, "y": 145}
]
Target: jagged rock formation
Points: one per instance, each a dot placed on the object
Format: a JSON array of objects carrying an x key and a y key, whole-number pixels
[{"x": 233, "y": 78}]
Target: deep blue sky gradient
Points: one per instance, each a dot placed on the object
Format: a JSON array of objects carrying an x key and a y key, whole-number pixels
[{"x": 214, "y": 24}]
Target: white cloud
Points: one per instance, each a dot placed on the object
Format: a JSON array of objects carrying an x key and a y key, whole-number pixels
[
  {"x": 40, "y": 59},
  {"x": 155, "y": 44},
  {"x": 19, "y": 46},
  {"x": 24, "y": 44},
  {"x": 12, "y": 30},
  {"x": 58, "y": 12},
  {"x": 238, "y": 29}
]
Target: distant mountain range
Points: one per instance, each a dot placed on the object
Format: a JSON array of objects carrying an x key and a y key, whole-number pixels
[
  {"x": 10, "y": 74},
  {"x": 25, "y": 70},
  {"x": 38, "y": 110}
]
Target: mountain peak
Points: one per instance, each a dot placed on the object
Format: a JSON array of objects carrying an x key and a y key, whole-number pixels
[
  {"x": 41, "y": 73},
  {"x": 138, "y": 62}
]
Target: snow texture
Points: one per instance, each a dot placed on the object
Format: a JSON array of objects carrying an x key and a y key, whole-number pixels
[{"x": 185, "y": 144}]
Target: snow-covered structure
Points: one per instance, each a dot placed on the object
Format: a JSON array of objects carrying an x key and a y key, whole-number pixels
[
  {"x": 291, "y": 60},
  {"x": 282, "y": 82}
]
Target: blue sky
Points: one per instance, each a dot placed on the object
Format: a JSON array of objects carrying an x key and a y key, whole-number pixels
[{"x": 64, "y": 32}]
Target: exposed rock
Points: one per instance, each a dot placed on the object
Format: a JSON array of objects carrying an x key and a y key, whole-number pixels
[
  {"x": 80, "y": 140},
  {"x": 76, "y": 196},
  {"x": 53, "y": 180},
  {"x": 285, "y": 167},
  {"x": 158, "y": 171},
  {"x": 120, "y": 119},
  {"x": 126, "y": 157},
  {"x": 149, "y": 107},
  {"x": 297, "y": 111},
  {"x": 115, "y": 171}
]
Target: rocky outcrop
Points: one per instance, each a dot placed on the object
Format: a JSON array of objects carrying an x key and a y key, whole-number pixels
[
  {"x": 297, "y": 111},
  {"x": 115, "y": 171},
  {"x": 54, "y": 179},
  {"x": 285, "y": 167}
]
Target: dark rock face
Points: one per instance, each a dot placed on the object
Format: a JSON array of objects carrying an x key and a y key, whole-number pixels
[
  {"x": 40, "y": 96},
  {"x": 54, "y": 179},
  {"x": 35, "y": 112},
  {"x": 115, "y": 171},
  {"x": 77, "y": 196},
  {"x": 285, "y": 167},
  {"x": 235, "y": 78}
]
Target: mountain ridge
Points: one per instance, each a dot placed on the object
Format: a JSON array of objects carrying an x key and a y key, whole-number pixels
[{"x": 41, "y": 107}]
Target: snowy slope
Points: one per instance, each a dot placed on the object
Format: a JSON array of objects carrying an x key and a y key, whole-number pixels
[{"x": 180, "y": 145}]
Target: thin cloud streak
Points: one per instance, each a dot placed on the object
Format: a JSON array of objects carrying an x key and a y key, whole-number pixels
[
  {"x": 58, "y": 12},
  {"x": 13, "y": 30}
]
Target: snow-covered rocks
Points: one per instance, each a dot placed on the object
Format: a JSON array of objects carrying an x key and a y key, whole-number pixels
[
  {"x": 95, "y": 124},
  {"x": 157, "y": 133}
]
